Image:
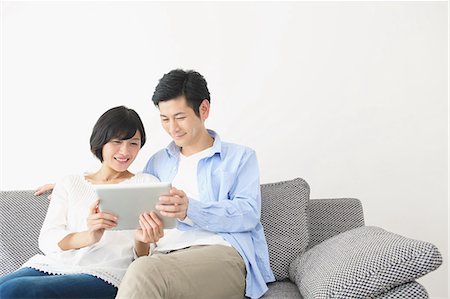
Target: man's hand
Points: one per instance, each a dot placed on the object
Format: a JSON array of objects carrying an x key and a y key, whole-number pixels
[
  {"x": 174, "y": 205},
  {"x": 42, "y": 189}
]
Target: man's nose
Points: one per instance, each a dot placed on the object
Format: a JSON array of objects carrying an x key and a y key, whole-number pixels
[{"x": 173, "y": 126}]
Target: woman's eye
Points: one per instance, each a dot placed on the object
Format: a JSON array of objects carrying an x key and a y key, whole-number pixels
[{"x": 117, "y": 141}]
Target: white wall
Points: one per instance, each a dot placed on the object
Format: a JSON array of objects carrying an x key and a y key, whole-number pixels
[{"x": 350, "y": 96}]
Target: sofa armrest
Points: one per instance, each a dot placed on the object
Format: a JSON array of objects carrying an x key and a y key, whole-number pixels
[
  {"x": 410, "y": 289},
  {"x": 21, "y": 218},
  {"x": 330, "y": 217}
]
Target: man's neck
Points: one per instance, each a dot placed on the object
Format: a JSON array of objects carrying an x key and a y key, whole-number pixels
[{"x": 204, "y": 142}]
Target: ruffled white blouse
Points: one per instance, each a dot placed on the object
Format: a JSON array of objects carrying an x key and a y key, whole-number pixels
[{"x": 67, "y": 213}]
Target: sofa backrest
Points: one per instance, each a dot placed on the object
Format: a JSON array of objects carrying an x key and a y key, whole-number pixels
[
  {"x": 21, "y": 218},
  {"x": 285, "y": 222},
  {"x": 283, "y": 215}
]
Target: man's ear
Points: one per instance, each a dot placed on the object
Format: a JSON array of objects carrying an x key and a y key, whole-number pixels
[{"x": 204, "y": 109}]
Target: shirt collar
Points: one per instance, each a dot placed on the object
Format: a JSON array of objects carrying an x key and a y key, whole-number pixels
[{"x": 174, "y": 150}]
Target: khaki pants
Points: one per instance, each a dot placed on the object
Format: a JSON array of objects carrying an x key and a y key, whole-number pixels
[{"x": 210, "y": 271}]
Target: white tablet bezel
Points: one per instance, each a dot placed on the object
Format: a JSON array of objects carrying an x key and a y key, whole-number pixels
[{"x": 128, "y": 201}]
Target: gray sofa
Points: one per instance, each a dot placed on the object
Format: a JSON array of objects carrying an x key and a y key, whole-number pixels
[{"x": 319, "y": 248}]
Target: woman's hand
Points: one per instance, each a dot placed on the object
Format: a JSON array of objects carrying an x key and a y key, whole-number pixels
[
  {"x": 150, "y": 231},
  {"x": 151, "y": 228},
  {"x": 98, "y": 221}
]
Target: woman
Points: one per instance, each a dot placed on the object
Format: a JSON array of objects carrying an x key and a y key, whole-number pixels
[{"x": 83, "y": 258}]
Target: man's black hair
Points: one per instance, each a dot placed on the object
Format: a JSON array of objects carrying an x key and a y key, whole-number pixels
[{"x": 190, "y": 84}]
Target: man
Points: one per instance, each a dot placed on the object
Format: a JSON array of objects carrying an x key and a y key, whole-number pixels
[{"x": 218, "y": 249}]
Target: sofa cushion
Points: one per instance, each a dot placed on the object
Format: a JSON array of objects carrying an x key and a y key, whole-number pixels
[
  {"x": 362, "y": 262},
  {"x": 284, "y": 218},
  {"x": 284, "y": 289}
]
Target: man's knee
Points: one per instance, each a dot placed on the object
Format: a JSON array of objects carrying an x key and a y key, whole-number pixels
[
  {"x": 143, "y": 267},
  {"x": 145, "y": 277}
]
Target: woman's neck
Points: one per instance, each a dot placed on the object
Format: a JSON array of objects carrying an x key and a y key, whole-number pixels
[{"x": 108, "y": 176}]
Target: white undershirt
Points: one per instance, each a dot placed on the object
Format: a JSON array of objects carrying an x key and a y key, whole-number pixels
[{"x": 186, "y": 180}]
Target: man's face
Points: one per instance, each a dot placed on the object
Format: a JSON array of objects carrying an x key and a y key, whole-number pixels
[{"x": 181, "y": 122}]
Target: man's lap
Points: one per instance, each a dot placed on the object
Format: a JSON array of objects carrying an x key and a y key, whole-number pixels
[{"x": 210, "y": 271}]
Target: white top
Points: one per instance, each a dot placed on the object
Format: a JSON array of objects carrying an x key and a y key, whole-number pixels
[
  {"x": 108, "y": 259},
  {"x": 186, "y": 180}
]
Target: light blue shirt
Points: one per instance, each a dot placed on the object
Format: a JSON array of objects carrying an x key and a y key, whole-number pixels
[{"x": 229, "y": 203}]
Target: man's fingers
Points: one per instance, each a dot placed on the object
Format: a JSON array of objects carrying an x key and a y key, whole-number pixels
[
  {"x": 174, "y": 191},
  {"x": 171, "y": 200},
  {"x": 42, "y": 189},
  {"x": 179, "y": 215}
]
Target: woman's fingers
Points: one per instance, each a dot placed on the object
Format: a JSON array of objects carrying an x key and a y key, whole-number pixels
[
  {"x": 96, "y": 218},
  {"x": 151, "y": 226},
  {"x": 158, "y": 222},
  {"x": 93, "y": 208}
]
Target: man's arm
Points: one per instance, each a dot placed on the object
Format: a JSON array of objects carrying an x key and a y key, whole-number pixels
[
  {"x": 239, "y": 213},
  {"x": 44, "y": 188}
]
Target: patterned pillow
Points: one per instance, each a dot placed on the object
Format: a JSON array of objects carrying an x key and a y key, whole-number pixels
[
  {"x": 284, "y": 218},
  {"x": 362, "y": 262}
]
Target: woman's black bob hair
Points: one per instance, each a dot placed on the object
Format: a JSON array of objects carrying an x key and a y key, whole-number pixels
[{"x": 118, "y": 122}]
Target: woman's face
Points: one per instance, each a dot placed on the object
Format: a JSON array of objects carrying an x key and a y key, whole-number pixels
[{"x": 119, "y": 154}]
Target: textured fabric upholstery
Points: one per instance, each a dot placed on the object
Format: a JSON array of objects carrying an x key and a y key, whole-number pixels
[
  {"x": 330, "y": 217},
  {"x": 363, "y": 262},
  {"x": 284, "y": 218},
  {"x": 288, "y": 220},
  {"x": 407, "y": 290},
  {"x": 21, "y": 217},
  {"x": 284, "y": 289}
]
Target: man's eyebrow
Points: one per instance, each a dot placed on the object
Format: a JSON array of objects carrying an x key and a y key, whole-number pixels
[{"x": 176, "y": 114}]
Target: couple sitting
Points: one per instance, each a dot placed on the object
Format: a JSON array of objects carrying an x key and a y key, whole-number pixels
[{"x": 218, "y": 249}]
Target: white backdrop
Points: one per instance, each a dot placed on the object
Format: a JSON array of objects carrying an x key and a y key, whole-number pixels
[{"x": 352, "y": 96}]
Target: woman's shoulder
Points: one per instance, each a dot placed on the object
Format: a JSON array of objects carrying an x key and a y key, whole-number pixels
[
  {"x": 71, "y": 179},
  {"x": 142, "y": 177}
]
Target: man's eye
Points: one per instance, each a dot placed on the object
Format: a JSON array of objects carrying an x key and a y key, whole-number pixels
[
  {"x": 180, "y": 118},
  {"x": 164, "y": 119}
]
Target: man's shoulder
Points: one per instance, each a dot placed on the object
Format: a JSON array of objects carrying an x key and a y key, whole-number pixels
[
  {"x": 162, "y": 153},
  {"x": 229, "y": 148}
]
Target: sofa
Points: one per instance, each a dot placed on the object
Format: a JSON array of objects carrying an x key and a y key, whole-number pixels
[{"x": 318, "y": 248}]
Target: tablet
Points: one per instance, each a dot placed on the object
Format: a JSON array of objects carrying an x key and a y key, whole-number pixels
[{"x": 128, "y": 201}]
